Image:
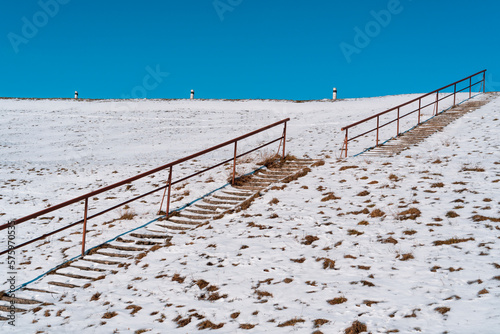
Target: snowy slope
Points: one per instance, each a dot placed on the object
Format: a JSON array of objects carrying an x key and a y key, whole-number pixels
[{"x": 388, "y": 269}]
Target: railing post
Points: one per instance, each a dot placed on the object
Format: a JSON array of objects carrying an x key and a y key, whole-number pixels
[
  {"x": 234, "y": 161},
  {"x": 437, "y": 102},
  {"x": 346, "y": 140},
  {"x": 419, "y": 109},
  {"x": 378, "y": 122},
  {"x": 454, "y": 94},
  {"x": 398, "y": 124},
  {"x": 284, "y": 139},
  {"x": 484, "y": 82},
  {"x": 169, "y": 190},
  {"x": 470, "y": 87},
  {"x": 169, "y": 181},
  {"x": 85, "y": 225}
]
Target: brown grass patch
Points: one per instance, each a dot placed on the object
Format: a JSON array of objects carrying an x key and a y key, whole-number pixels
[
  {"x": 377, "y": 213},
  {"x": 451, "y": 241},
  {"x": 347, "y": 167},
  {"x": 291, "y": 322},
  {"x": 443, "y": 310},
  {"x": 409, "y": 232},
  {"x": 207, "y": 324},
  {"x": 301, "y": 260},
  {"x": 354, "y": 232},
  {"x": 363, "y": 193},
  {"x": 411, "y": 213},
  {"x": 356, "y": 328},
  {"x": 95, "y": 296},
  {"x": 320, "y": 322},
  {"x": 405, "y": 257},
  {"x": 327, "y": 263},
  {"x": 336, "y": 301},
  {"x": 364, "y": 223},
  {"x": 235, "y": 315},
  {"x": 437, "y": 185},
  {"x": 247, "y": 326},
  {"x": 274, "y": 201},
  {"x": 389, "y": 240},
  {"x": 452, "y": 214},
  {"x": 309, "y": 239},
  {"x": 127, "y": 215},
  {"x": 134, "y": 308},
  {"x": 479, "y": 218},
  {"x": 329, "y": 196},
  {"x": 369, "y": 303},
  {"x": 178, "y": 278},
  {"x": 109, "y": 315},
  {"x": 202, "y": 284}
]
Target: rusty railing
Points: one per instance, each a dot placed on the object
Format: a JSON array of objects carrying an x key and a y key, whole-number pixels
[
  {"x": 467, "y": 80},
  {"x": 166, "y": 188}
]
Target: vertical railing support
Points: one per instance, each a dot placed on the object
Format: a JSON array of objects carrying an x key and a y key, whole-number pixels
[
  {"x": 234, "y": 161},
  {"x": 398, "y": 124},
  {"x": 437, "y": 102},
  {"x": 168, "y": 186},
  {"x": 378, "y": 122},
  {"x": 169, "y": 190},
  {"x": 484, "y": 82},
  {"x": 455, "y": 95},
  {"x": 419, "y": 109},
  {"x": 84, "y": 232},
  {"x": 346, "y": 140},
  {"x": 284, "y": 139},
  {"x": 470, "y": 87}
]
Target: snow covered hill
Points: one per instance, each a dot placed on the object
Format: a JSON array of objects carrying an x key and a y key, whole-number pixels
[{"x": 406, "y": 244}]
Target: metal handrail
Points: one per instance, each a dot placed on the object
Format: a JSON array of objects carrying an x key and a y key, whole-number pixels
[
  {"x": 168, "y": 186},
  {"x": 420, "y": 107}
]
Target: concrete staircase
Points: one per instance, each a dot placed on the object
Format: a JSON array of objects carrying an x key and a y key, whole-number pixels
[
  {"x": 125, "y": 250},
  {"x": 426, "y": 129}
]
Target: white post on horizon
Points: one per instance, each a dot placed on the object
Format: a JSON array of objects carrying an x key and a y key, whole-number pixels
[
  {"x": 192, "y": 94},
  {"x": 76, "y": 94},
  {"x": 334, "y": 94}
]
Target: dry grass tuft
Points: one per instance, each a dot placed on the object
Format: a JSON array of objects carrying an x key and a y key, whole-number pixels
[
  {"x": 320, "y": 322},
  {"x": 479, "y": 218},
  {"x": 274, "y": 201},
  {"x": 235, "y": 315},
  {"x": 377, "y": 213},
  {"x": 329, "y": 196},
  {"x": 309, "y": 239},
  {"x": 178, "y": 278},
  {"x": 443, "y": 310},
  {"x": 247, "y": 326},
  {"x": 109, "y": 315},
  {"x": 291, "y": 322},
  {"x": 356, "y": 328},
  {"x": 347, "y": 167},
  {"x": 389, "y": 240},
  {"x": 411, "y": 213},
  {"x": 96, "y": 296},
  {"x": 363, "y": 193},
  {"x": 134, "y": 308},
  {"x": 363, "y": 223},
  {"x": 451, "y": 241},
  {"x": 202, "y": 284},
  {"x": 301, "y": 260},
  {"x": 409, "y": 232},
  {"x": 405, "y": 257},
  {"x": 207, "y": 324},
  {"x": 127, "y": 215},
  {"x": 354, "y": 232},
  {"x": 452, "y": 214},
  {"x": 437, "y": 185},
  {"x": 336, "y": 301},
  {"x": 327, "y": 263}
]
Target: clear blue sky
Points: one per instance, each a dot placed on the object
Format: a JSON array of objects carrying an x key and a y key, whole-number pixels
[{"x": 280, "y": 49}]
